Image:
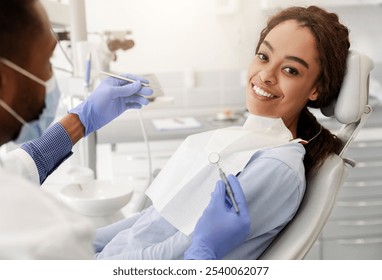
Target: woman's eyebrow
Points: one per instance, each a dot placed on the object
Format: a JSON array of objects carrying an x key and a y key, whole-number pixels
[
  {"x": 293, "y": 58},
  {"x": 268, "y": 45},
  {"x": 299, "y": 60}
]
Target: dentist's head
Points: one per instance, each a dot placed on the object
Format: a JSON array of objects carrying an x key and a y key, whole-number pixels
[{"x": 26, "y": 75}]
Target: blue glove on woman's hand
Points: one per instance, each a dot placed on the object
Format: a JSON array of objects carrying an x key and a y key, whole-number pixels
[
  {"x": 220, "y": 229},
  {"x": 110, "y": 99}
]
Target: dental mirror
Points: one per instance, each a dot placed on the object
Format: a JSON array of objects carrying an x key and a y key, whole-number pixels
[{"x": 214, "y": 158}]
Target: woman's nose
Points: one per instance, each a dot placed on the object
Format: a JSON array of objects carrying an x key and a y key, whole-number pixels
[{"x": 267, "y": 76}]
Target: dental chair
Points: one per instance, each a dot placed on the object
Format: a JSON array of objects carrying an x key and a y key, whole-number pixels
[{"x": 351, "y": 110}]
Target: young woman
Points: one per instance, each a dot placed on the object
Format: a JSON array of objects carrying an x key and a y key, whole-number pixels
[{"x": 300, "y": 62}]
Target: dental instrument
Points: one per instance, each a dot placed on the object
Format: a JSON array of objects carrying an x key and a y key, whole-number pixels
[
  {"x": 88, "y": 67},
  {"x": 214, "y": 158},
  {"x": 127, "y": 79}
]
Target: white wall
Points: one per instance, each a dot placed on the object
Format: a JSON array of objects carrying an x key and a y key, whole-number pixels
[
  {"x": 174, "y": 35},
  {"x": 177, "y": 37},
  {"x": 364, "y": 23}
]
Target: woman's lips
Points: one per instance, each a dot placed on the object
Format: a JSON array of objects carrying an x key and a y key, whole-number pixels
[{"x": 260, "y": 92}]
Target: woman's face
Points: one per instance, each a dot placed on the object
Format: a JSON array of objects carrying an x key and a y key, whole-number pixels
[{"x": 282, "y": 75}]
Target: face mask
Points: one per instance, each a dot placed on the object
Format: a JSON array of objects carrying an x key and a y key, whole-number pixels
[{"x": 34, "y": 129}]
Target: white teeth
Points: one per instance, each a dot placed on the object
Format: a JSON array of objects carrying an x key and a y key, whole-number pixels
[{"x": 261, "y": 92}]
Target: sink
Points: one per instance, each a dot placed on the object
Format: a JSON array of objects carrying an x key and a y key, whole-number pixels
[{"x": 96, "y": 198}]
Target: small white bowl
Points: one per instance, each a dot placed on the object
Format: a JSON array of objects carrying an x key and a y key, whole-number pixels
[{"x": 96, "y": 198}]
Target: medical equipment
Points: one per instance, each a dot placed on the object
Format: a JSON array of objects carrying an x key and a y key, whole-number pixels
[
  {"x": 128, "y": 79},
  {"x": 214, "y": 158}
]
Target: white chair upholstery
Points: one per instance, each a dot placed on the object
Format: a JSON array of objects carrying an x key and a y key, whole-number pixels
[{"x": 350, "y": 109}]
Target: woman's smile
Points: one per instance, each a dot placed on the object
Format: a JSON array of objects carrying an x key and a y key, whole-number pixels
[{"x": 263, "y": 93}]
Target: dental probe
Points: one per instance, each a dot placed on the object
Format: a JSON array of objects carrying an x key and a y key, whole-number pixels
[
  {"x": 229, "y": 190},
  {"x": 127, "y": 79},
  {"x": 214, "y": 158}
]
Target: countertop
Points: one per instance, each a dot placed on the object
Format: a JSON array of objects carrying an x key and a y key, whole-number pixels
[{"x": 126, "y": 128}]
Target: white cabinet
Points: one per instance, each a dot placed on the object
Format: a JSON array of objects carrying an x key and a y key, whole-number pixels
[{"x": 354, "y": 230}]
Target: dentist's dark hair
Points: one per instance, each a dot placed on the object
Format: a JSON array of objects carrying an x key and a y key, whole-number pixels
[
  {"x": 19, "y": 24},
  {"x": 332, "y": 43}
]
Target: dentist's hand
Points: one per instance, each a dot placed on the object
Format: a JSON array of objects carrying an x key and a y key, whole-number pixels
[
  {"x": 220, "y": 229},
  {"x": 110, "y": 99}
]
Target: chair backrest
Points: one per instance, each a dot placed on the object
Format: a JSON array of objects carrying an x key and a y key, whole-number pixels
[{"x": 350, "y": 109}]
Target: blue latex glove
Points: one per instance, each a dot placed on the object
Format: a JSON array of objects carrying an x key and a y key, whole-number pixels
[
  {"x": 220, "y": 229},
  {"x": 110, "y": 99}
]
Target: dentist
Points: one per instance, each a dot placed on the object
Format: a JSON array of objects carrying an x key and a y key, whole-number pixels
[{"x": 34, "y": 225}]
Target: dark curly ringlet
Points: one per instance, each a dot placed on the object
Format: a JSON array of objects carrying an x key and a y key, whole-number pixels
[{"x": 332, "y": 42}]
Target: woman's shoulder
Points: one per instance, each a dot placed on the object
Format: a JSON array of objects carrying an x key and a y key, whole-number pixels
[
  {"x": 290, "y": 155},
  {"x": 287, "y": 152}
]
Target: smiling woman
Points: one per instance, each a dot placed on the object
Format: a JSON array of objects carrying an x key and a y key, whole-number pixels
[
  {"x": 310, "y": 40},
  {"x": 282, "y": 77}
]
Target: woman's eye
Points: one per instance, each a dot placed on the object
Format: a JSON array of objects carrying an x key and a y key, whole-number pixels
[
  {"x": 291, "y": 71},
  {"x": 262, "y": 56}
]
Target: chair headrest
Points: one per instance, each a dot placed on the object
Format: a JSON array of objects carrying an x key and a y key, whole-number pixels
[{"x": 353, "y": 96}]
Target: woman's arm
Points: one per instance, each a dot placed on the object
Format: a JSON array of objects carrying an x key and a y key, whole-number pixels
[
  {"x": 105, "y": 234},
  {"x": 274, "y": 184}
]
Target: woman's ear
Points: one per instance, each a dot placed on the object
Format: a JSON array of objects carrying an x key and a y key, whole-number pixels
[{"x": 314, "y": 95}]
